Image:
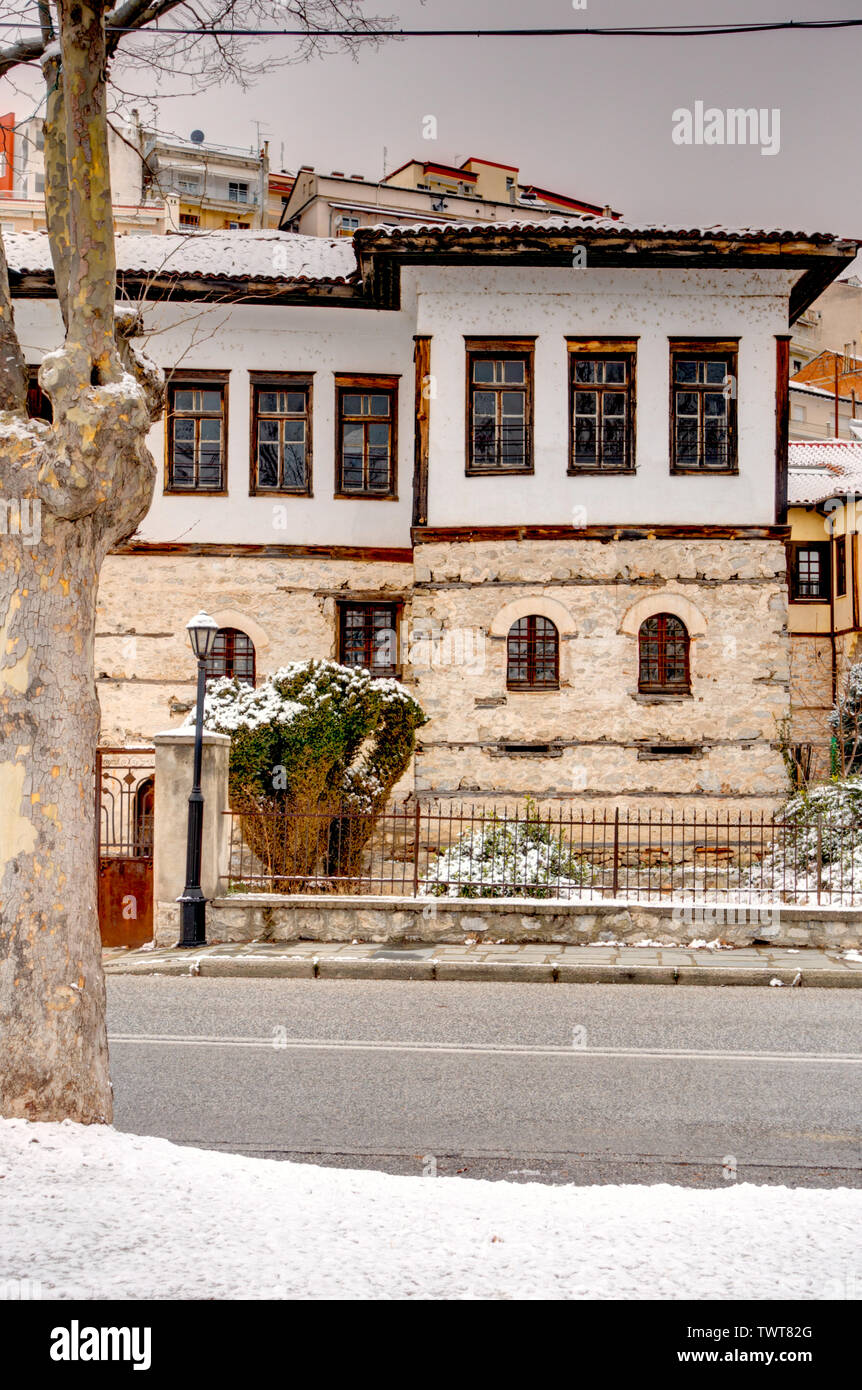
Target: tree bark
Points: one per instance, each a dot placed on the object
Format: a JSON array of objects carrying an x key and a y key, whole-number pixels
[{"x": 69, "y": 491}]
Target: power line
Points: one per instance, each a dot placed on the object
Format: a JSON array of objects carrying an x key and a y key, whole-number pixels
[{"x": 680, "y": 31}]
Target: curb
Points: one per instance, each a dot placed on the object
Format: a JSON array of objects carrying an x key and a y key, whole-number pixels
[{"x": 328, "y": 968}]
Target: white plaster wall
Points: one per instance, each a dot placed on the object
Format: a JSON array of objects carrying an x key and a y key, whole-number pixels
[
  {"x": 244, "y": 338},
  {"x": 450, "y": 302},
  {"x": 554, "y": 303}
]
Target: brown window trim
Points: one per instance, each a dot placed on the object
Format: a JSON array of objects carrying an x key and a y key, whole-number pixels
[
  {"x": 675, "y": 688},
  {"x": 705, "y": 347},
  {"x": 187, "y": 377},
  {"x": 840, "y": 566},
  {"x": 532, "y": 686},
  {"x": 625, "y": 348},
  {"x": 382, "y": 382},
  {"x": 501, "y": 347},
  {"x": 259, "y": 380},
  {"x": 793, "y": 548},
  {"x": 226, "y": 637},
  {"x": 396, "y": 605}
]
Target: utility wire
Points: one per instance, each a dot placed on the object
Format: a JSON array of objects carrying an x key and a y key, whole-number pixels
[{"x": 680, "y": 31}]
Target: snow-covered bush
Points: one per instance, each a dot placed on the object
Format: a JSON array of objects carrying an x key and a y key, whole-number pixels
[
  {"x": 818, "y": 843},
  {"x": 845, "y": 722},
  {"x": 315, "y": 751},
  {"x": 524, "y": 858}
]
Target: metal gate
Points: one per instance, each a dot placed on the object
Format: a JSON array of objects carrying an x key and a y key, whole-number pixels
[{"x": 125, "y": 799}]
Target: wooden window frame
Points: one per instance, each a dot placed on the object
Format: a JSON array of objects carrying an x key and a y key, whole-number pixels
[
  {"x": 823, "y": 548},
  {"x": 396, "y": 607},
  {"x": 532, "y": 685},
  {"x": 184, "y": 381},
  {"x": 678, "y": 688},
  {"x": 279, "y": 381},
  {"x": 523, "y": 349},
  {"x": 840, "y": 567},
  {"x": 234, "y": 632},
  {"x": 376, "y": 384},
  {"x": 603, "y": 349},
  {"x": 727, "y": 348}
]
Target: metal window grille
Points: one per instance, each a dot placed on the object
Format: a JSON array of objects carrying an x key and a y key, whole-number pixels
[
  {"x": 232, "y": 655},
  {"x": 365, "y": 422},
  {"x": 601, "y": 411},
  {"x": 533, "y": 654},
  {"x": 196, "y": 442},
  {"x": 499, "y": 412},
  {"x": 702, "y": 423},
  {"x": 369, "y": 637},
  {"x": 281, "y": 431},
  {"x": 663, "y": 645}
]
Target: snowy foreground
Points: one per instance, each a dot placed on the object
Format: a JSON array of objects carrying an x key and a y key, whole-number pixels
[{"x": 91, "y": 1213}]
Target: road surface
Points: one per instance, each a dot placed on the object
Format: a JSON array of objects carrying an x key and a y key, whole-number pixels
[{"x": 570, "y": 1083}]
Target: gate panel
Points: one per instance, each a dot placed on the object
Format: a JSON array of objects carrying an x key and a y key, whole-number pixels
[{"x": 125, "y": 792}]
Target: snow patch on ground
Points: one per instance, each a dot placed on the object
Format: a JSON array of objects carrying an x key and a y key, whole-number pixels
[{"x": 87, "y": 1212}]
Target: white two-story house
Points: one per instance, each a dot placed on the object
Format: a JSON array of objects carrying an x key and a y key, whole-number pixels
[{"x": 538, "y": 472}]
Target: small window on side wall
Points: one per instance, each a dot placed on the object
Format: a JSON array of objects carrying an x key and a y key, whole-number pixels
[
  {"x": 809, "y": 572},
  {"x": 281, "y": 434},
  {"x": 533, "y": 655},
  {"x": 663, "y": 656},
  {"x": 841, "y": 567},
  {"x": 232, "y": 655},
  {"x": 703, "y": 406},
  {"x": 499, "y": 406}
]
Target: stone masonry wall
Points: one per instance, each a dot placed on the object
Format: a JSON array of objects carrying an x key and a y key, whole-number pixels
[
  {"x": 732, "y": 595},
  {"x": 145, "y": 670}
]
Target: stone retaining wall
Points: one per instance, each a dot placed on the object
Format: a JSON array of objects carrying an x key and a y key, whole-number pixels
[{"x": 272, "y": 917}]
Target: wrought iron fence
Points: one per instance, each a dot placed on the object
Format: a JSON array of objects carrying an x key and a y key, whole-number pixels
[{"x": 453, "y": 851}]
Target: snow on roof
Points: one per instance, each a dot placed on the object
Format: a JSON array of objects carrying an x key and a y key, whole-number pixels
[
  {"x": 809, "y": 390},
  {"x": 604, "y": 225},
  {"x": 265, "y": 254},
  {"x": 824, "y": 468}
]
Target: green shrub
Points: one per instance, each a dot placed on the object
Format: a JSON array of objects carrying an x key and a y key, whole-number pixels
[{"x": 316, "y": 749}]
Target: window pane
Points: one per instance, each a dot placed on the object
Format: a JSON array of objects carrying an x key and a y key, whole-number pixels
[
  {"x": 379, "y": 405},
  {"x": 352, "y": 405},
  {"x": 184, "y": 429},
  {"x": 483, "y": 371},
  {"x": 686, "y": 371},
  {"x": 211, "y": 401},
  {"x": 294, "y": 430},
  {"x": 513, "y": 402},
  {"x": 713, "y": 404},
  {"x": 294, "y": 465},
  {"x": 716, "y": 372},
  {"x": 267, "y": 430},
  {"x": 267, "y": 465},
  {"x": 615, "y": 371},
  {"x": 686, "y": 403},
  {"x": 585, "y": 371},
  {"x": 294, "y": 402},
  {"x": 614, "y": 403},
  {"x": 267, "y": 401},
  {"x": 585, "y": 402},
  {"x": 378, "y": 435},
  {"x": 513, "y": 371},
  {"x": 485, "y": 403},
  {"x": 585, "y": 440},
  {"x": 210, "y": 430}
]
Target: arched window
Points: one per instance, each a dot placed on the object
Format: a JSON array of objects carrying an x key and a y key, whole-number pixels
[
  {"x": 533, "y": 655},
  {"x": 663, "y": 656},
  {"x": 144, "y": 809},
  {"x": 232, "y": 655}
]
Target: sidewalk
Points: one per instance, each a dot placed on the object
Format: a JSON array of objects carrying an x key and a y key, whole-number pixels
[{"x": 602, "y": 964}]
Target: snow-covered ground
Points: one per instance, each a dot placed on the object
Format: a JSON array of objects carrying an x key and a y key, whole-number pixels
[{"x": 92, "y": 1213}]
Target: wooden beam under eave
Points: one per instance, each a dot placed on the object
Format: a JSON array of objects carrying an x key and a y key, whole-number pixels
[
  {"x": 782, "y": 425},
  {"x": 421, "y": 429}
]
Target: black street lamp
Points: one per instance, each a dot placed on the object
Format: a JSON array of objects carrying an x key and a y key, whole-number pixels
[{"x": 193, "y": 931}]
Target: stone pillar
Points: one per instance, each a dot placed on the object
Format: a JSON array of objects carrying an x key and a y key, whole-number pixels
[{"x": 174, "y": 767}]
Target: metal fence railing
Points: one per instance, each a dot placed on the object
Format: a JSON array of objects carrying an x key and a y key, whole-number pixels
[{"x": 418, "y": 850}]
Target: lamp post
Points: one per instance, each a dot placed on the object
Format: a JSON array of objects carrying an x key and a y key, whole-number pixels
[{"x": 193, "y": 931}]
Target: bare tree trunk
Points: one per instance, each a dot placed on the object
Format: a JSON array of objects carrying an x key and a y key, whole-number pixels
[{"x": 70, "y": 491}]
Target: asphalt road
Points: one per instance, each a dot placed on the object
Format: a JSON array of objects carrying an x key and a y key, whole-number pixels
[{"x": 570, "y": 1083}]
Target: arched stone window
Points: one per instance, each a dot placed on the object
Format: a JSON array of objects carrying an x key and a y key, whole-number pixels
[
  {"x": 232, "y": 655},
  {"x": 663, "y": 655},
  {"x": 533, "y": 654}
]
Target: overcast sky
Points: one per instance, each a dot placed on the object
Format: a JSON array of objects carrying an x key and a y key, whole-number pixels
[{"x": 590, "y": 116}]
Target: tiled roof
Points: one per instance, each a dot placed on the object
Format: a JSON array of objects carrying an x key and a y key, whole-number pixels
[
  {"x": 603, "y": 225},
  {"x": 820, "y": 469},
  {"x": 265, "y": 254}
]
